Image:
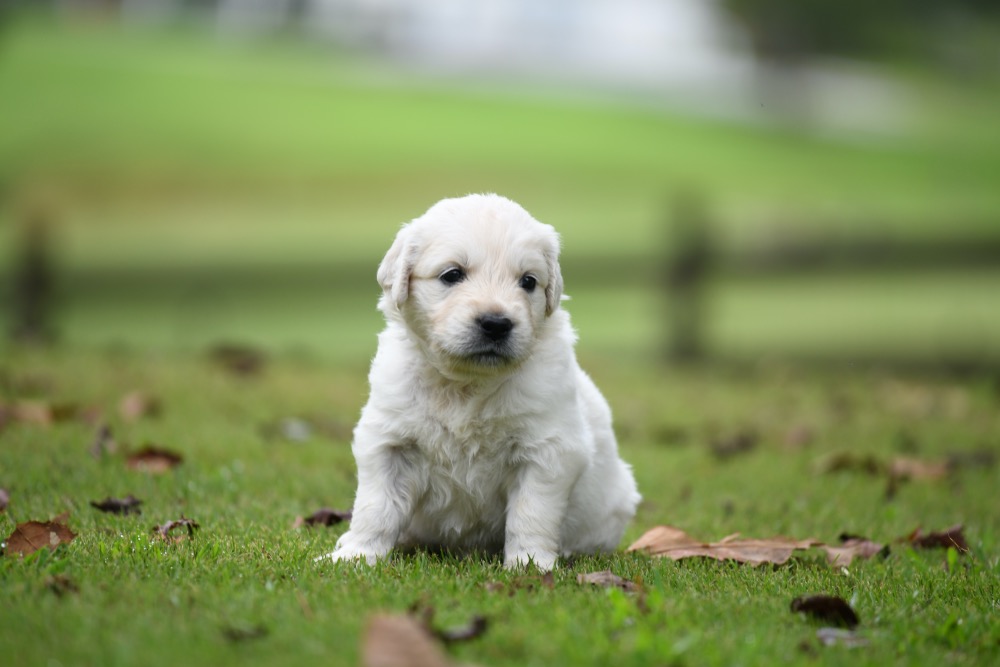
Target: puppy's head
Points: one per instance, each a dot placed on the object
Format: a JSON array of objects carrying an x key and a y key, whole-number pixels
[{"x": 474, "y": 280}]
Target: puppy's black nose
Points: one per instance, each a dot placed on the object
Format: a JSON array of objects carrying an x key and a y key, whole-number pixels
[{"x": 495, "y": 327}]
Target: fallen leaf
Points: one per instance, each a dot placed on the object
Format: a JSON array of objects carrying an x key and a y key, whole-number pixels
[
  {"x": 729, "y": 446},
  {"x": 675, "y": 544},
  {"x": 474, "y": 629},
  {"x": 828, "y": 609},
  {"x": 128, "y": 505},
  {"x": 4, "y": 500},
  {"x": 841, "y": 461},
  {"x": 137, "y": 405},
  {"x": 840, "y": 637},
  {"x": 799, "y": 436},
  {"x": 526, "y": 583},
  {"x": 33, "y": 412},
  {"x": 242, "y": 634},
  {"x": 153, "y": 459},
  {"x": 30, "y": 536},
  {"x": 237, "y": 358},
  {"x": 42, "y": 413},
  {"x": 977, "y": 458},
  {"x": 903, "y": 467},
  {"x": 950, "y": 537},
  {"x": 852, "y": 547},
  {"x": 607, "y": 579},
  {"x": 104, "y": 443},
  {"x": 164, "y": 530},
  {"x": 323, "y": 517},
  {"x": 400, "y": 641}
]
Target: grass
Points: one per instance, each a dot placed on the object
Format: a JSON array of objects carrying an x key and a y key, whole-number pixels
[
  {"x": 202, "y": 193},
  {"x": 249, "y": 574}
]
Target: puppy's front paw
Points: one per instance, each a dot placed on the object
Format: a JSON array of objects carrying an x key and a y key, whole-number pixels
[
  {"x": 544, "y": 561},
  {"x": 350, "y": 548}
]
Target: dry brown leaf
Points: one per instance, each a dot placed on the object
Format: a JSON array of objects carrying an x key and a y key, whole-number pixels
[
  {"x": 153, "y": 459},
  {"x": 798, "y": 437},
  {"x": 526, "y": 583},
  {"x": 903, "y": 467},
  {"x": 244, "y": 633},
  {"x": 849, "y": 461},
  {"x": 607, "y": 579},
  {"x": 42, "y": 413},
  {"x": 128, "y": 505},
  {"x": 740, "y": 442},
  {"x": 33, "y": 412},
  {"x": 30, "y": 536},
  {"x": 828, "y": 609},
  {"x": 474, "y": 629},
  {"x": 852, "y": 547},
  {"x": 392, "y": 640},
  {"x": 950, "y": 537},
  {"x": 164, "y": 530},
  {"x": 675, "y": 544},
  {"x": 238, "y": 358},
  {"x": 136, "y": 405},
  {"x": 322, "y": 517},
  {"x": 104, "y": 442}
]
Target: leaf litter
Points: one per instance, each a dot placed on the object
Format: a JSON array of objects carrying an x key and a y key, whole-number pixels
[
  {"x": 828, "y": 609},
  {"x": 153, "y": 459},
  {"x": 674, "y": 543},
  {"x": 163, "y": 531},
  {"x": 398, "y": 640},
  {"x": 127, "y": 505},
  {"x": 137, "y": 405},
  {"x": 950, "y": 537},
  {"x": 30, "y": 536},
  {"x": 607, "y": 579},
  {"x": 323, "y": 517}
]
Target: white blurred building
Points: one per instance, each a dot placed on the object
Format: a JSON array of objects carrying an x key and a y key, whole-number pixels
[{"x": 683, "y": 52}]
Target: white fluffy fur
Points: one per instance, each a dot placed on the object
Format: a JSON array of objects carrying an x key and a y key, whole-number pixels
[{"x": 469, "y": 445}]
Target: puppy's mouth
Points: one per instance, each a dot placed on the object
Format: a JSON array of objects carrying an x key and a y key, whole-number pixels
[{"x": 490, "y": 355}]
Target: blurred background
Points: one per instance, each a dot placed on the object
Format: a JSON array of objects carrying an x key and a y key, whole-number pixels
[{"x": 733, "y": 179}]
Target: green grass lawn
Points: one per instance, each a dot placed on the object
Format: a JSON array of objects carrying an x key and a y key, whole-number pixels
[
  {"x": 245, "y": 587},
  {"x": 202, "y": 192}
]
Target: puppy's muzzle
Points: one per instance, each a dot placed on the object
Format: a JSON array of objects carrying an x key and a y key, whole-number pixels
[{"x": 495, "y": 327}]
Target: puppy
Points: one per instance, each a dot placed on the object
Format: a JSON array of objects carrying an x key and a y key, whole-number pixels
[{"x": 481, "y": 432}]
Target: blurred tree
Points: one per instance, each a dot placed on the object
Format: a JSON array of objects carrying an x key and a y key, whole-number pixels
[{"x": 788, "y": 31}]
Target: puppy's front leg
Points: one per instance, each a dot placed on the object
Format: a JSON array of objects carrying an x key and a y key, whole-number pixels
[
  {"x": 389, "y": 485},
  {"x": 535, "y": 511}
]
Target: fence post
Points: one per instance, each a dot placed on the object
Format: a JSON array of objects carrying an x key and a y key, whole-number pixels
[
  {"x": 687, "y": 259},
  {"x": 32, "y": 283}
]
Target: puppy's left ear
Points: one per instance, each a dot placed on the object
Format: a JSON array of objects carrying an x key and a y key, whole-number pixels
[
  {"x": 397, "y": 266},
  {"x": 554, "y": 288}
]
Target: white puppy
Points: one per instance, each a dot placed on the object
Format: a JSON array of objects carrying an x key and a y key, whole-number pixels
[{"x": 481, "y": 432}]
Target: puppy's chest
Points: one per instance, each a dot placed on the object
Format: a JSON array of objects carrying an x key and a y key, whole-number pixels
[{"x": 474, "y": 454}]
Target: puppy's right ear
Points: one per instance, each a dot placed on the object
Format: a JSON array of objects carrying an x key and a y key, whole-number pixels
[{"x": 397, "y": 266}]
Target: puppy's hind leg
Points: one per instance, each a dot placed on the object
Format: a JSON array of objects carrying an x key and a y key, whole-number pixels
[{"x": 389, "y": 485}]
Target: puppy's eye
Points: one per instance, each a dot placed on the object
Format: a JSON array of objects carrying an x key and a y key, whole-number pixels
[
  {"x": 528, "y": 283},
  {"x": 452, "y": 276}
]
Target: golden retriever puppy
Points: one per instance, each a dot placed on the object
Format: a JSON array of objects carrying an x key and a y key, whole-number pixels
[{"x": 481, "y": 432}]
